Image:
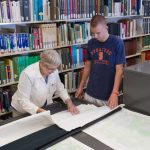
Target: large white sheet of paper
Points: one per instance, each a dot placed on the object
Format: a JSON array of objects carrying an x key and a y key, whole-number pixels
[
  {"x": 125, "y": 130},
  {"x": 25, "y": 126},
  {"x": 88, "y": 113},
  {"x": 69, "y": 144}
]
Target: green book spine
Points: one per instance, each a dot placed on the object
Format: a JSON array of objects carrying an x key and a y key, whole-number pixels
[
  {"x": 16, "y": 69},
  {"x": 2, "y": 73}
]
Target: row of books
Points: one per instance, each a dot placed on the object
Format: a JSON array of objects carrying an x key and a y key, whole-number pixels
[
  {"x": 24, "y": 10},
  {"x": 11, "y": 68},
  {"x": 146, "y": 25},
  {"x": 44, "y": 36},
  {"x": 72, "y": 33},
  {"x": 122, "y": 7},
  {"x": 126, "y": 27},
  {"x": 66, "y": 9},
  {"x": 44, "y": 10},
  {"x": 146, "y": 5},
  {"x": 71, "y": 80},
  {"x": 72, "y": 57},
  {"x": 14, "y": 42},
  {"x": 62, "y": 34}
]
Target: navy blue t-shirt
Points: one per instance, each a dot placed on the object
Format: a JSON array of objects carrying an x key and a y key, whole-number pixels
[{"x": 104, "y": 57}]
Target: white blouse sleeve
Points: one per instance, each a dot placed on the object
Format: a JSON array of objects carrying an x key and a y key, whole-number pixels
[{"x": 24, "y": 92}]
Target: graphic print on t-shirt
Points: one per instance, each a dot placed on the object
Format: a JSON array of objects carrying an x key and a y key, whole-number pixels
[{"x": 101, "y": 55}]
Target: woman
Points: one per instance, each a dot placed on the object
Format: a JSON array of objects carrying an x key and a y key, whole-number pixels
[{"x": 37, "y": 84}]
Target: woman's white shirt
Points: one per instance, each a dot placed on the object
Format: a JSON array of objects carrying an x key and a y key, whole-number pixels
[{"x": 33, "y": 91}]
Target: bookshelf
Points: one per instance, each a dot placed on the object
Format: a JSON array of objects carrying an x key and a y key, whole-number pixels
[{"x": 64, "y": 15}]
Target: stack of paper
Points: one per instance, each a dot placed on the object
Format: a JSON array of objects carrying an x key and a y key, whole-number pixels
[{"x": 88, "y": 113}]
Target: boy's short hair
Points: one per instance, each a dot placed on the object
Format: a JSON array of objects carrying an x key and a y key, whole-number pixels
[{"x": 97, "y": 19}]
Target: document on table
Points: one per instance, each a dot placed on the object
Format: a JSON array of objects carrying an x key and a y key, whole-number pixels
[
  {"x": 69, "y": 144},
  {"x": 124, "y": 130},
  {"x": 88, "y": 113},
  {"x": 23, "y": 127}
]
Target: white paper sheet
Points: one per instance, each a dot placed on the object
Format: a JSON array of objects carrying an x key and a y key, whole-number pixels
[
  {"x": 25, "y": 126},
  {"x": 69, "y": 144},
  {"x": 125, "y": 130},
  {"x": 87, "y": 114}
]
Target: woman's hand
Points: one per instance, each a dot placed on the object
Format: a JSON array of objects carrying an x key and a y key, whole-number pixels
[
  {"x": 39, "y": 110},
  {"x": 71, "y": 107}
]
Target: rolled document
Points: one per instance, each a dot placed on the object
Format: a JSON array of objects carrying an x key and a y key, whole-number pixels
[{"x": 23, "y": 127}]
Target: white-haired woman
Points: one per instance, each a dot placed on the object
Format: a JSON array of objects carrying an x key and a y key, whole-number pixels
[{"x": 37, "y": 84}]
